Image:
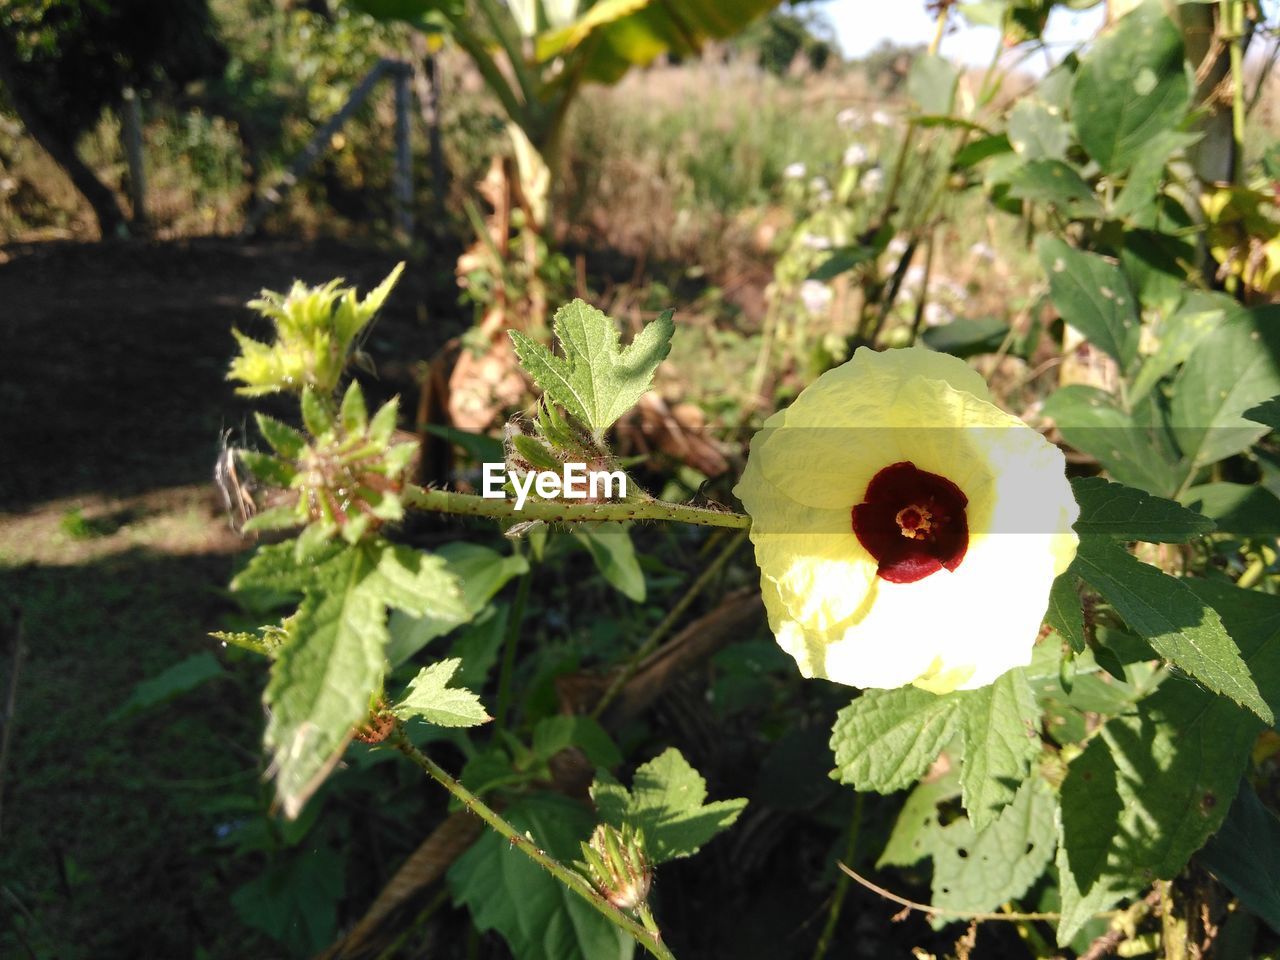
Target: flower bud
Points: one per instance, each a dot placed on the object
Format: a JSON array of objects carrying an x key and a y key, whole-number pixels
[{"x": 616, "y": 864}]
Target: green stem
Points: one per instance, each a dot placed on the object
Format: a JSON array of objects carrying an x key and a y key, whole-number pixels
[
  {"x": 470, "y": 505},
  {"x": 1233, "y": 16},
  {"x": 650, "y": 939},
  {"x": 665, "y": 626},
  {"x": 511, "y": 41},
  {"x": 509, "y": 651},
  {"x": 474, "y": 47},
  {"x": 842, "y": 883}
]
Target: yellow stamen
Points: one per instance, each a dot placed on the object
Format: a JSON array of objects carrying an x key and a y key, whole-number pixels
[{"x": 914, "y": 522}]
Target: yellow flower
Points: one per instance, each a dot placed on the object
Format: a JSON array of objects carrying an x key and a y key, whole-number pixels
[{"x": 906, "y": 528}]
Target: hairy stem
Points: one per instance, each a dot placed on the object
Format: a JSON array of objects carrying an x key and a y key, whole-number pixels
[
  {"x": 470, "y": 505},
  {"x": 650, "y": 939}
]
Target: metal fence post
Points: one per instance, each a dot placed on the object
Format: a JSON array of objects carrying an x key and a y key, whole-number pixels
[{"x": 131, "y": 124}]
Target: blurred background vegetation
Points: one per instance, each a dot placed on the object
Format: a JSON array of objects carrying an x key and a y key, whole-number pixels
[{"x": 135, "y": 820}]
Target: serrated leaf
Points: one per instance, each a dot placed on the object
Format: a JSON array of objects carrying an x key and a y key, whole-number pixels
[
  {"x": 886, "y": 739},
  {"x": 1000, "y": 723},
  {"x": 1093, "y": 295},
  {"x": 1177, "y": 624},
  {"x": 315, "y": 413},
  {"x": 481, "y": 573},
  {"x": 430, "y": 698},
  {"x": 536, "y": 914},
  {"x": 980, "y": 870},
  {"x": 976, "y": 871},
  {"x": 354, "y": 413},
  {"x": 1125, "y": 513},
  {"x": 614, "y": 554},
  {"x": 1231, "y": 371},
  {"x": 284, "y": 440},
  {"x": 1065, "y": 613},
  {"x": 1130, "y": 88},
  {"x": 324, "y": 676},
  {"x": 1245, "y": 855},
  {"x": 666, "y": 802},
  {"x": 1242, "y": 509},
  {"x": 1163, "y": 773},
  {"x": 1137, "y": 452},
  {"x": 594, "y": 380},
  {"x": 418, "y": 584}
]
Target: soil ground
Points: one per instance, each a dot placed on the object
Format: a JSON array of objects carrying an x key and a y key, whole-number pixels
[{"x": 115, "y": 553}]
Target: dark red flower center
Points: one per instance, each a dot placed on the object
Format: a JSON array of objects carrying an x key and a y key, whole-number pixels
[{"x": 912, "y": 522}]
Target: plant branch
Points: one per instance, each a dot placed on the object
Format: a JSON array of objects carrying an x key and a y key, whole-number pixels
[
  {"x": 943, "y": 912},
  {"x": 668, "y": 622},
  {"x": 509, "y": 650},
  {"x": 651, "y": 940},
  {"x": 470, "y": 505},
  {"x": 842, "y": 882}
]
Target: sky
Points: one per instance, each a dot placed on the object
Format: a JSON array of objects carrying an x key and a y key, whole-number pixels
[{"x": 861, "y": 25}]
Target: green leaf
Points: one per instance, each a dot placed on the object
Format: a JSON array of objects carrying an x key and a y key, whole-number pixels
[
  {"x": 1130, "y": 88},
  {"x": 536, "y": 914},
  {"x": 666, "y": 802},
  {"x": 315, "y": 413},
  {"x": 478, "y": 446},
  {"x": 976, "y": 871},
  {"x": 1242, "y": 509},
  {"x": 430, "y": 698},
  {"x": 615, "y": 557},
  {"x": 931, "y": 84},
  {"x": 980, "y": 870},
  {"x": 1124, "y": 513},
  {"x": 1180, "y": 333},
  {"x": 1054, "y": 182},
  {"x": 1038, "y": 131},
  {"x": 1267, "y": 413},
  {"x": 886, "y": 739},
  {"x": 1245, "y": 855},
  {"x": 323, "y": 678},
  {"x": 1137, "y": 452},
  {"x": 183, "y": 677},
  {"x": 480, "y": 571},
  {"x": 1231, "y": 371},
  {"x": 1158, "y": 785},
  {"x": 1138, "y": 202},
  {"x": 295, "y": 902},
  {"x": 354, "y": 413},
  {"x": 1177, "y": 624},
  {"x": 284, "y": 440},
  {"x": 595, "y": 381},
  {"x": 553, "y": 734},
  {"x": 1065, "y": 614},
  {"x": 1000, "y": 723},
  {"x": 842, "y": 260},
  {"x": 967, "y": 336},
  {"x": 1093, "y": 295}
]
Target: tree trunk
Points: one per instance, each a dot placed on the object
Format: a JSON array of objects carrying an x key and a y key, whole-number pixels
[{"x": 106, "y": 208}]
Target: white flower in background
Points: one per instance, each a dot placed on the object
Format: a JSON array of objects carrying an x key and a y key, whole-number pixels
[
  {"x": 881, "y": 119},
  {"x": 848, "y": 118},
  {"x": 815, "y": 295},
  {"x": 818, "y": 184},
  {"x": 872, "y": 181},
  {"x": 896, "y": 247},
  {"x": 935, "y": 314},
  {"x": 855, "y": 155},
  {"x": 982, "y": 251},
  {"x": 825, "y": 196},
  {"x": 794, "y": 171},
  {"x": 814, "y": 241},
  {"x": 913, "y": 280}
]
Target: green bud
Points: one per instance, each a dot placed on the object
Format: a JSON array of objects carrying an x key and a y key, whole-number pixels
[{"x": 615, "y": 862}]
